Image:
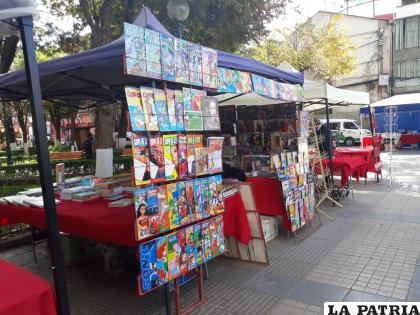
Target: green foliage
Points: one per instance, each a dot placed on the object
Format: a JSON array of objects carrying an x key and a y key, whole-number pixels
[
  {"x": 324, "y": 51},
  {"x": 223, "y": 24},
  {"x": 8, "y": 190},
  {"x": 59, "y": 148}
]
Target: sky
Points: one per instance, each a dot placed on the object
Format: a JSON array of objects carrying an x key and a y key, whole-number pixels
[{"x": 299, "y": 11}]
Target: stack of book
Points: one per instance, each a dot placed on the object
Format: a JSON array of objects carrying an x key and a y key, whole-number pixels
[
  {"x": 112, "y": 187},
  {"x": 85, "y": 196},
  {"x": 25, "y": 201},
  {"x": 69, "y": 183},
  {"x": 68, "y": 193}
]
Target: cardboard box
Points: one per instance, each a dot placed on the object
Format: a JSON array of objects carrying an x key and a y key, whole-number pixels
[{"x": 270, "y": 227}]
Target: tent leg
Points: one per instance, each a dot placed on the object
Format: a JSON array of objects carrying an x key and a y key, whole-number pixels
[{"x": 40, "y": 131}]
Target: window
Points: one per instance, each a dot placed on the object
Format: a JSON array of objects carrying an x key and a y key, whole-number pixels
[
  {"x": 335, "y": 126},
  {"x": 350, "y": 125},
  {"x": 411, "y": 32},
  {"x": 399, "y": 34}
]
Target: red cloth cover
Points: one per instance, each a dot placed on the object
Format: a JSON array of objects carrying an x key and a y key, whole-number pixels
[
  {"x": 349, "y": 166},
  {"x": 409, "y": 139},
  {"x": 235, "y": 221},
  {"x": 268, "y": 195},
  {"x": 366, "y": 153},
  {"x": 22, "y": 292}
]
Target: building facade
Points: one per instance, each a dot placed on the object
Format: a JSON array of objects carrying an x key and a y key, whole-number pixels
[{"x": 406, "y": 48}]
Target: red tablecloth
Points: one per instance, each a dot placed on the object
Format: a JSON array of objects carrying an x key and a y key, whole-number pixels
[
  {"x": 235, "y": 221},
  {"x": 349, "y": 166},
  {"x": 268, "y": 195},
  {"x": 366, "y": 153},
  {"x": 409, "y": 139},
  {"x": 22, "y": 292},
  {"x": 92, "y": 220}
]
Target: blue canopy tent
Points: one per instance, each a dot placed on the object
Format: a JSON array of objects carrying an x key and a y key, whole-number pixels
[
  {"x": 407, "y": 108},
  {"x": 98, "y": 74}
]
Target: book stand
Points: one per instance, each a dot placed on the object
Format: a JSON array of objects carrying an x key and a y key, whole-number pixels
[{"x": 201, "y": 298}]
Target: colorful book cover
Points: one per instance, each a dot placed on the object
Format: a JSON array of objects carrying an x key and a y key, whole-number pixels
[
  {"x": 205, "y": 209},
  {"x": 182, "y": 210},
  {"x": 153, "y": 70},
  {"x": 234, "y": 81},
  {"x": 193, "y": 116},
  {"x": 215, "y": 147},
  {"x": 172, "y": 192},
  {"x": 148, "y": 266},
  {"x": 195, "y": 54},
  {"x": 151, "y": 37},
  {"x": 135, "y": 109},
  {"x": 220, "y": 234},
  {"x": 210, "y": 110},
  {"x": 214, "y": 247},
  {"x": 214, "y": 195},
  {"x": 181, "y": 61},
  {"x": 190, "y": 248},
  {"x": 189, "y": 187},
  {"x": 170, "y": 149},
  {"x": 153, "y": 53},
  {"x": 199, "y": 199},
  {"x": 164, "y": 214},
  {"x": 193, "y": 142},
  {"x": 183, "y": 260},
  {"x": 196, "y": 78},
  {"x": 167, "y": 50},
  {"x": 209, "y": 61},
  {"x": 157, "y": 160},
  {"x": 142, "y": 215},
  {"x": 161, "y": 110},
  {"x": 162, "y": 261},
  {"x": 205, "y": 240},
  {"x": 134, "y": 41},
  {"x": 170, "y": 101},
  {"x": 198, "y": 244},
  {"x": 135, "y": 67},
  {"x": 211, "y": 81},
  {"x": 219, "y": 191},
  {"x": 201, "y": 161},
  {"x": 141, "y": 160},
  {"x": 179, "y": 110},
  {"x": 148, "y": 101},
  {"x": 173, "y": 256},
  {"x": 153, "y": 209},
  {"x": 182, "y": 157}
]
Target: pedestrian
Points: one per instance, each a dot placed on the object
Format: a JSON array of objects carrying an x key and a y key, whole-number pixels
[{"x": 89, "y": 147}]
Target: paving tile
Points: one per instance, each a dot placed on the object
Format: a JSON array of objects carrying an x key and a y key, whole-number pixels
[
  {"x": 316, "y": 293},
  {"x": 234, "y": 277},
  {"x": 251, "y": 302},
  {"x": 272, "y": 284}
]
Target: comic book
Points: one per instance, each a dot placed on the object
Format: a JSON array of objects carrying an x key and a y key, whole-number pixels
[
  {"x": 201, "y": 161},
  {"x": 210, "y": 108},
  {"x": 182, "y": 203},
  {"x": 210, "y": 68},
  {"x": 135, "y": 109},
  {"x": 219, "y": 190},
  {"x": 181, "y": 61},
  {"x": 148, "y": 101},
  {"x": 220, "y": 234},
  {"x": 173, "y": 255},
  {"x": 193, "y": 116},
  {"x": 164, "y": 215},
  {"x": 198, "y": 244},
  {"x": 156, "y": 159},
  {"x": 193, "y": 142},
  {"x": 215, "y": 147},
  {"x": 167, "y": 57},
  {"x": 170, "y": 149},
  {"x": 172, "y": 192},
  {"x": 162, "y": 262},
  {"x": 170, "y": 100},
  {"x": 161, "y": 110},
  {"x": 182, "y": 243},
  {"x": 152, "y": 53},
  {"x": 190, "y": 248},
  {"x": 205, "y": 240},
  {"x": 135, "y": 67},
  {"x": 205, "y": 210},
  {"x": 153, "y": 209},
  {"x": 153, "y": 70},
  {"x": 189, "y": 187},
  {"x": 199, "y": 199},
  {"x": 182, "y": 157},
  {"x": 134, "y": 41},
  {"x": 179, "y": 110},
  {"x": 195, "y": 67},
  {"x": 213, "y": 195},
  {"x": 141, "y": 160},
  {"x": 214, "y": 247},
  {"x": 148, "y": 266},
  {"x": 142, "y": 216}
]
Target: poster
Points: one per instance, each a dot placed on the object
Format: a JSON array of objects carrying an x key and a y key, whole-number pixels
[
  {"x": 134, "y": 42},
  {"x": 210, "y": 109},
  {"x": 135, "y": 109},
  {"x": 148, "y": 101},
  {"x": 179, "y": 110},
  {"x": 215, "y": 147},
  {"x": 170, "y": 101},
  {"x": 234, "y": 81},
  {"x": 210, "y": 69},
  {"x": 264, "y": 86}
]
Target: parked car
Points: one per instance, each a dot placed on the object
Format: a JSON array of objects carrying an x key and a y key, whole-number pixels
[{"x": 346, "y": 131}]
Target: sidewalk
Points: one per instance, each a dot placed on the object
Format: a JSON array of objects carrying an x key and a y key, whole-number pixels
[{"x": 370, "y": 252}]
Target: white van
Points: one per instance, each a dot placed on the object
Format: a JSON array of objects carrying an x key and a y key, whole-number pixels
[{"x": 346, "y": 131}]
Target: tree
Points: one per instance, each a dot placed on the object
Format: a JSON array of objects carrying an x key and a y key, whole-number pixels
[
  {"x": 23, "y": 110},
  {"x": 324, "y": 51}
]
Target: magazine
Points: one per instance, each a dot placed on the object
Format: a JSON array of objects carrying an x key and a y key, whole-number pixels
[
  {"x": 164, "y": 220},
  {"x": 193, "y": 142},
  {"x": 219, "y": 193},
  {"x": 153, "y": 54},
  {"x": 148, "y": 266},
  {"x": 170, "y": 100},
  {"x": 198, "y": 244},
  {"x": 135, "y": 67},
  {"x": 199, "y": 199},
  {"x": 214, "y": 247},
  {"x": 134, "y": 41},
  {"x": 142, "y": 214},
  {"x": 162, "y": 262},
  {"x": 153, "y": 70},
  {"x": 153, "y": 209},
  {"x": 157, "y": 160},
  {"x": 182, "y": 157},
  {"x": 147, "y": 97},
  {"x": 182, "y": 243},
  {"x": 141, "y": 160},
  {"x": 209, "y": 61},
  {"x": 210, "y": 110},
  {"x": 172, "y": 193},
  {"x": 179, "y": 110},
  {"x": 205, "y": 207},
  {"x": 182, "y": 203},
  {"x": 205, "y": 239},
  {"x": 189, "y": 187},
  {"x": 215, "y": 147},
  {"x": 170, "y": 147},
  {"x": 161, "y": 110},
  {"x": 173, "y": 255},
  {"x": 190, "y": 248},
  {"x": 195, "y": 66},
  {"x": 220, "y": 234},
  {"x": 201, "y": 161},
  {"x": 193, "y": 117}
]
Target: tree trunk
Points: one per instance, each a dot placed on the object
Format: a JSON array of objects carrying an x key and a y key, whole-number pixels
[
  {"x": 6, "y": 124},
  {"x": 22, "y": 118},
  {"x": 104, "y": 128},
  {"x": 56, "y": 121},
  {"x": 73, "y": 128},
  {"x": 122, "y": 127}
]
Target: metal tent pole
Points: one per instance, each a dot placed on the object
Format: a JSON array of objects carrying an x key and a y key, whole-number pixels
[
  {"x": 40, "y": 131},
  {"x": 330, "y": 153}
]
